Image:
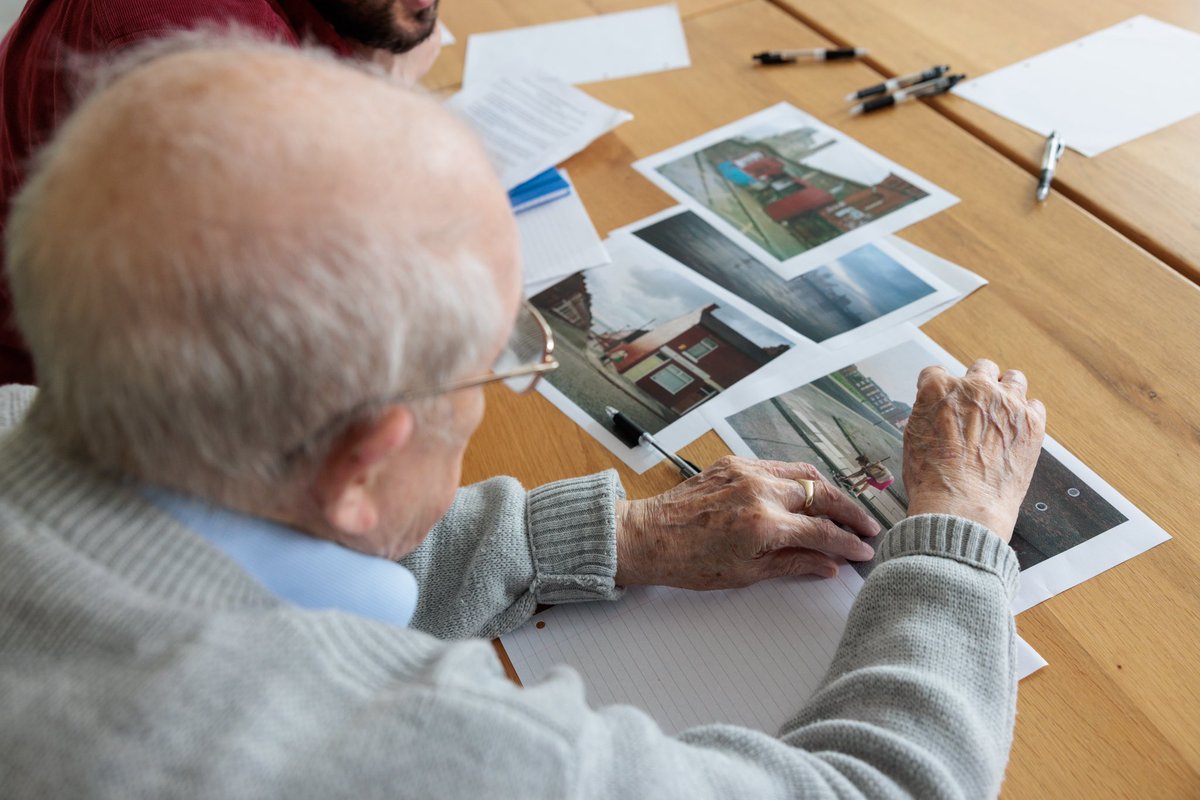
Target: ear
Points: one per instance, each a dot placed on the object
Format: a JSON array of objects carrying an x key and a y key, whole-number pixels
[{"x": 347, "y": 482}]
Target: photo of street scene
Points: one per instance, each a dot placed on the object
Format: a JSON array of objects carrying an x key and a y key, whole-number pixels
[
  {"x": 648, "y": 341},
  {"x": 846, "y": 293},
  {"x": 850, "y": 424},
  {"x": 789, "y": 189}
]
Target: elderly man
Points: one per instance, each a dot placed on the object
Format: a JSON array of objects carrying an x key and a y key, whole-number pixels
[
  {"x": 36, "y": 58},
  {"x": 263, "y": 290}
]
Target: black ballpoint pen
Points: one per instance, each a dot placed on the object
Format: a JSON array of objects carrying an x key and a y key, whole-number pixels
[
  {"x": 892, "y": 84},
  {"x": 926, "y": 89},
  {"x": 811, "y": 54},
  {"x": 632, "y": 434}
]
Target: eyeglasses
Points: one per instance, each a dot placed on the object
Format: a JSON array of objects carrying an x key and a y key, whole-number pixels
[{"x": 526, "y": 357}]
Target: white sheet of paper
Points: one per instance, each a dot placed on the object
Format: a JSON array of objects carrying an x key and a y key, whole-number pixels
[
  {"x": 447, "y": 37},
  {"x": 1118, "y": 530},
  {"x": 862, "y": 195},
  {"x": 748, "y": 657},
  {"x": 588, "y": 49},
  {"x": 530, "y": 121},
  {"x": 558, "y": 238},
  {"x": 1029, "y": 660},
  {"x": 960, "y": 279},
  {"x": 869, "y": 289},
  {"x": 1100, "y": 91}
]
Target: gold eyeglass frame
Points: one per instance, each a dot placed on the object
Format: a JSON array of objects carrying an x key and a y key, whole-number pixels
[{"x": 547, "y": 364}]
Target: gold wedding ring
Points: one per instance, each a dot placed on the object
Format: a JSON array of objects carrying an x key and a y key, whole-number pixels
[{"x": 810, "y": 491}]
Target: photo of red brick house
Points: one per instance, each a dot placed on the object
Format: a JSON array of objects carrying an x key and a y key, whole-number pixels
[
  {"x": 642, "y": 337},
  {"x": 688, "y": 360}
]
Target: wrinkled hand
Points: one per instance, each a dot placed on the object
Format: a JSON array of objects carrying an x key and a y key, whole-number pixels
[
  {"x": 410, "y": 67},
  {"x": 738, "y": 522},
  {"x": 971, "y": 445}
]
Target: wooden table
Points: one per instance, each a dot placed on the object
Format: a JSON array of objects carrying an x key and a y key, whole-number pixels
[
  {"x": 1105, "y": 331},
  {"x": 1146, "y": 189}
]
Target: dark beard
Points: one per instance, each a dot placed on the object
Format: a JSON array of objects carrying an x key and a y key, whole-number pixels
[{"x": 372, "y": 23}]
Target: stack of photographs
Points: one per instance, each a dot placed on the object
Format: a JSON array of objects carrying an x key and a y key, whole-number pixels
[
  {"x": 768, "y": 306},
  {"x": 774, "y": 307},
  {"x": 743, "y": 280}
]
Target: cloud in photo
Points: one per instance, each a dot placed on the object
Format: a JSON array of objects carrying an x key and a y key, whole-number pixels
[
  {"x": 875, "y": 281},
  {"x": 628, "y": 295}
]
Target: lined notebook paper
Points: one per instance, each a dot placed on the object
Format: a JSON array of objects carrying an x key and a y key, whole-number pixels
[
  {"x": 749, "y": 657},
  {"x": 558, "y": 238}
]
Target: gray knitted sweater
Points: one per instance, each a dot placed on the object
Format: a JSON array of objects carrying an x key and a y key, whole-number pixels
[{"x": 138, "y": 661}]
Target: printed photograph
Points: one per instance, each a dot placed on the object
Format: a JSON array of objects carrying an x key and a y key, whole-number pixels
[
  {"x": 648, "y": 342},
  {"x": 790, "y": 189},
  {"x": 847, "y": 293},
  {"x": 850, "y": 424}
]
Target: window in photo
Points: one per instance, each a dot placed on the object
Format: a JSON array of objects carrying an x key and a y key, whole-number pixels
[
  {"x": 700, "y": 349},
  {"x": 672, "y": 378}
]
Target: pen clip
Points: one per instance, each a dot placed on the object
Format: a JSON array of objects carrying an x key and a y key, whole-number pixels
[
  {"x": 1059, "y": 149},
  {"x": 1055, "y": 147}
]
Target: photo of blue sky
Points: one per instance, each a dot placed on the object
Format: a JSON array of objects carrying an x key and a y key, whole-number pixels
[{"x": 857, "y": 288}]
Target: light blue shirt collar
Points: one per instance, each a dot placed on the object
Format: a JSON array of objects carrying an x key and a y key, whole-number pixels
[{"x": 309, "y": 572}]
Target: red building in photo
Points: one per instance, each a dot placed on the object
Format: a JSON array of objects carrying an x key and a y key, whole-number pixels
[
  {"x": 871, "y": 203},
  {"x": 686, "y": 361},
  {"x": 569, "y": 300}
]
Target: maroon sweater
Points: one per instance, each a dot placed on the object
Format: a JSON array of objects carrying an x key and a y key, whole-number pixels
[{"x": 36, "y": 83}]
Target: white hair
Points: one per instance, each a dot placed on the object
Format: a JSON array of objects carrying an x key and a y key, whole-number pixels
[{"x": 193, "y": 365}]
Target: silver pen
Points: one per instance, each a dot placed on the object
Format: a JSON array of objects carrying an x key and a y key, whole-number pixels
[{"x": 1050, "y": 156}]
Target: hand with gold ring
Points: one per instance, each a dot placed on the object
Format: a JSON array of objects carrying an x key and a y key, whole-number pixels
[{"x": 738, "y": 522}]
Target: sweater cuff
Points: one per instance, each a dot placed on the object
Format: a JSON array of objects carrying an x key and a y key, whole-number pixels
[
  {"x": 14, "y": 402},
  {"x": 956, "y": 538},
  {"x": 573, "y": 532}
]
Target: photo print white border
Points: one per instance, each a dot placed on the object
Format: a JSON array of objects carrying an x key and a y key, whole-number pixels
[
  {"x": 942, "y": 296},
  {"x": 785, "y": 114},
  {"x": 694, "y": 423},
  {"x": 1041, "y": 581}
]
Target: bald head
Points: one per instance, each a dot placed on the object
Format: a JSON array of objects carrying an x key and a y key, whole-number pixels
[
  {"x": 241, "y": 236},
  {"x": 252, "y": 138}
]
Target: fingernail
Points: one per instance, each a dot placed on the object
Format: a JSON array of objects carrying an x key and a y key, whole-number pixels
[{"x": 867, "y": 552}]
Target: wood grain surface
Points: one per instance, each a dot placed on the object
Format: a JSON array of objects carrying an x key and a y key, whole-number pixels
[
  {"x": 1146, "y": 189},
  {"x": 1105, "y": 331}
]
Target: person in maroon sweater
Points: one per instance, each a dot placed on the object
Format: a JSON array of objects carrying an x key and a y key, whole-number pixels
[{"x": 36, "y": 74}]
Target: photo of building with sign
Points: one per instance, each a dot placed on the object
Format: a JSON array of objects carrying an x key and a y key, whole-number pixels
[
  {"x": 648, "y": 343},
  {"x": 789, "y": 191}
]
